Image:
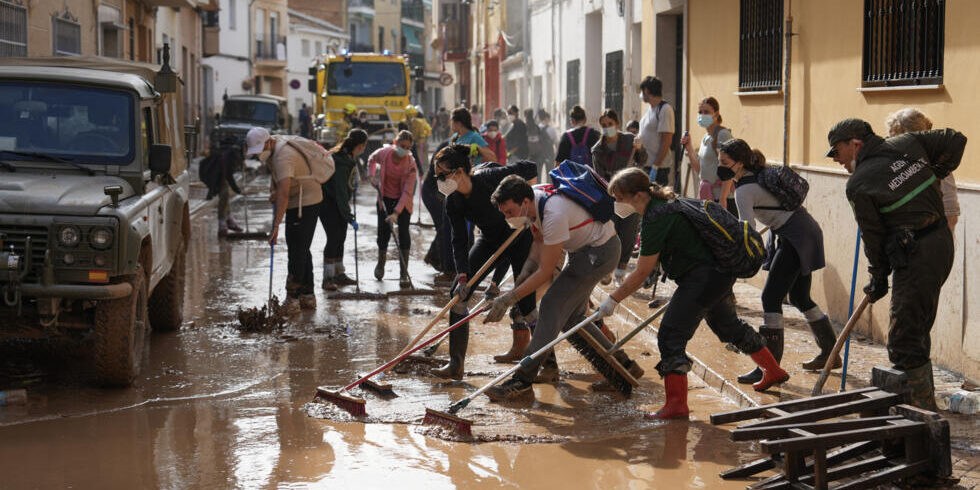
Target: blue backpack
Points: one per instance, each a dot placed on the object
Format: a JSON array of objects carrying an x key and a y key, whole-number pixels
[
  {"x": 581, "y": 153},
  {"x": 583, "y": 185}
]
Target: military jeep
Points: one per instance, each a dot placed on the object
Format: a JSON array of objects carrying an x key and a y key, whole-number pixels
[
  {"x": 241, "y": 113},
  {"x": 94, "y": 218}
]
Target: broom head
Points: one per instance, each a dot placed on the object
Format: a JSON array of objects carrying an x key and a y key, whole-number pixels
[
  {"x": 353, "y": 406},
  {"x": 383, "y": 389},
  {"x": 357, "y": 296},
  {"x": 456, "y": 424}
]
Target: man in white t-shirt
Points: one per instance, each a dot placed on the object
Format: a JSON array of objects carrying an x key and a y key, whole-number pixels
[
  {"x": 657, "y": 131},
  {"x": 593, "y": 252}
]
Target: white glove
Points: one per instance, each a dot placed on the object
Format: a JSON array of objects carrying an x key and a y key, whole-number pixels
[
  {"x": 392, "y": 218},
  {"x": 608, "y": 307},
  {"x": 499, "y": 307}
]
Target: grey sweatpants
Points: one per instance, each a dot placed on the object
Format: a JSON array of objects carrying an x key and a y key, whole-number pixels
[{"x": 564, "y": 304}]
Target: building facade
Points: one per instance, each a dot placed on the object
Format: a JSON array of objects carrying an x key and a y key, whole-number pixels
[{"x": 309, "y": 38}]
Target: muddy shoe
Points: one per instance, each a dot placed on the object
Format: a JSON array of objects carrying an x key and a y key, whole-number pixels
[
  {"x": 511, "y": 389},
  {"x": 449, "y": 371},
  {"x": 232, "y": 224},
  {"x": 547, "y": 374},
  {"x": 329, "y": 284},
  {"x": 307, "y": 302},
  {"x": 444, "y": 279},
  {"x": 343, "y": 279},
  {"x": 290, "y": 306},
  {"x": 602, "y": 387},
  {"x": 379, "y": 269}
]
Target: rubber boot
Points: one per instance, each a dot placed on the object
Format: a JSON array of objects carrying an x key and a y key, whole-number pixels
[
  {"x": 458, "y": 341},
  {"x": 340, "y": 277},
  {"x": 403, "y": 280},
  {"x": 774, "y": 341},
  {"x": 522, "y": 337},
  {"x": 922, "y": 389},
  {"x": 329, "y": 271},
  {"x": 772, "y": 374},
  {"x": 676, "y": 407},
  {"x": 232, "y": 224},
  {"x": 379, "y": 269},
  {"x": 823, "y": 333}
]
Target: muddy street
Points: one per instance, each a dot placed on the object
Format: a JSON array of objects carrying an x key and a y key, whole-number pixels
[{"x": 214, "y": 408}]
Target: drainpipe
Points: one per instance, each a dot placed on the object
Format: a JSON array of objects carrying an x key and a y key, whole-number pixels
[
  {"x": 251, "y": 45},
  {"x": 627, "y": 58},
  {"x": 787, "y": 59}
]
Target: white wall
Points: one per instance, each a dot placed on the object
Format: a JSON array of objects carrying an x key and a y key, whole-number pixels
[
  {"x": 231, "y": 67},
  {"x": 297, "y": 65}
]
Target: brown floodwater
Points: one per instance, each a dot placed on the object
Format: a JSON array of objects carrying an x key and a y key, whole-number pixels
[{"x": 215, "y": 408}]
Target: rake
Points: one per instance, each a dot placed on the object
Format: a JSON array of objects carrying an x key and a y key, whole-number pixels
[
  {"x": 357, "y": 406},
  {"x": 463, "y": 427}
]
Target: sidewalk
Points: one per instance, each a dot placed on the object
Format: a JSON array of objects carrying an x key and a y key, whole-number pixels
[{"x": 719, "y": 367}]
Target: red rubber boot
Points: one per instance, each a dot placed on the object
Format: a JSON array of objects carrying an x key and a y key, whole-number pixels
[
  {"x": 772, "y": 374},
  {"x": 676, "y": 407}
]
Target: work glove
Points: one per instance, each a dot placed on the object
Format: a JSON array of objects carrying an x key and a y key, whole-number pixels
[
  {"x": 607, "y": 307},
  {"x": 392, "y": 218},
  {"x": 354, "y": 225},
  {"x": 459, "y": 286},
  {"x": 877, "y": 288},
  {"x": 493, "y": 290},
  {"x": 530, "y": 267},
  {"x": 499, "y": 307}
]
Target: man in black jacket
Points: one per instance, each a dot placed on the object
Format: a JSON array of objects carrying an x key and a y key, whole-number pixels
[
  {"x": 895, "y": 194},
  {"x": 516, "y": 136}
]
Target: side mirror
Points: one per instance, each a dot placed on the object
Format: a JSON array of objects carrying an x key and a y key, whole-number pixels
[{"x": 160, "y": 159}]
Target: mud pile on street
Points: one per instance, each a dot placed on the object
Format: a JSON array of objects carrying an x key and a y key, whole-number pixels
[{"x": 268, "y": 318}]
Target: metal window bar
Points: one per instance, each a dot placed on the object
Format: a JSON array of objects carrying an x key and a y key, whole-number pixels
[
  {"x": 13, "y": 29},
  {"x": 904, "y": 42},
  {"x": 614, "y": 81},
  {"x": 67, "y": 37},
  {"x": 760, "y": 45},
  {"x": 572, "y": 81}
]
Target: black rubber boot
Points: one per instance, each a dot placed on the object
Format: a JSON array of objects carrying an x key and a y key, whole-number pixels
[
  {"x": 823, "y": 333},
  {"x": 922, "y": 389},
  {"x": 403, "y": 279},
  {"x": 379, "y": 269},
  {"x": 458, "y": 342},
  {"x": 774, "y": 341}
]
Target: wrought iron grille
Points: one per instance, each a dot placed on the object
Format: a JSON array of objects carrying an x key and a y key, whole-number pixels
[
  {"x": 903, "y": 42},
  {"x": 67, "y": 37},
  {"x": 13, "y": 29},
  {"x": 571, "y": 78},
  {"x": 760, "y": 50},
  {"x": 614, "y": 81}
]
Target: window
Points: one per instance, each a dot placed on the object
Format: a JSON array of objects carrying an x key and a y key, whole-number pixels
[
  {"x": 903, "y": 42},
  {"x": 381, "y": 38},
  {"x": 232, "y": 15},
  {"x": 367, "y": 79},
  {"x": 132, "y": 40},
  {"x": 13, "y": 29},
  {"x": 319, "y": 48},
  {"x": 760, "y": 48},
  {"x": 67, "y": 37},
  {"x": 572, "y": 80},
  {"x": 305, "y": 47},
  {"x": 110, "y": 31},
  {"x": 614, "y": 82}
]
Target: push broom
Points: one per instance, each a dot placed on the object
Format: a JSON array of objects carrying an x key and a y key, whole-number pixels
[
  {"x": 449, "y": 420},
  {"x": 357, "y": 406},
  {"x": 412, "y": 290}
]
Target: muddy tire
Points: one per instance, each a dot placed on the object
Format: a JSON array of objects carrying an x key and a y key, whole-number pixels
[
  {"x": 166, "y": 304},
  {"x": 121, "y": 327}
]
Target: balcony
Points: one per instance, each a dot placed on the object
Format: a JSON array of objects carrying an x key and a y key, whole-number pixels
[
  {"x": 267, "y": 51},
  {"x": 212, "y": 46},
  {"x": 364, "y": 8},
  {"x": 413, "y": 13}
]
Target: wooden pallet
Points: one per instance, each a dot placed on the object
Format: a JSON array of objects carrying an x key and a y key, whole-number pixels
[{"x": 814, "y": 447}]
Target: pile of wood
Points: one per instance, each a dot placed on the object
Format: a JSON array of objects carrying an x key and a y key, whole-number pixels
[{"x": 855, "y": 439}]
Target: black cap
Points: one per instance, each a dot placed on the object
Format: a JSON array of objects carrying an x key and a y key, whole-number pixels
[{"x": 846, "y": 130}]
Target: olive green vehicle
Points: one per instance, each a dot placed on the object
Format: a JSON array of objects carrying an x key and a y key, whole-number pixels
[{"x": 94, "y": 219}]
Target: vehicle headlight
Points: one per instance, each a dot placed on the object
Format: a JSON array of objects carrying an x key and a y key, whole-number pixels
[
  {"x": 101, "y": 238},
  {"x": 69, "y": 236}
]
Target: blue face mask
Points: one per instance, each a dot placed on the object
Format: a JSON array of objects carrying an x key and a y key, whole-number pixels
[{"x": 705, "y": 120}]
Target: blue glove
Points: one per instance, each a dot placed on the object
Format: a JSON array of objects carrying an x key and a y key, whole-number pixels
[{"x": 353, "y": 224}]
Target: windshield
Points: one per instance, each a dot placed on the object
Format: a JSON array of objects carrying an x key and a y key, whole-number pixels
[
  {"x": 250, "y": 112},
  {"x": 73, "y": 122},
  {"x": 366, "y": 79}
]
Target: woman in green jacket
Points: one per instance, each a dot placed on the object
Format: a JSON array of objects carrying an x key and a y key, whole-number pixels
[{"x": 335, "y": 212}]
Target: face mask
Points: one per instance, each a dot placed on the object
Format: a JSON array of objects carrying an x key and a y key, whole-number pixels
[
  {"x": 623, "y": 209},
  {"x": 512, "y": 118},
  {"x": 725, "y": 173},
  {"x": 642, "y": 98},
  {"x": 447, "y": 187},
  {"x": 518, "y": 222},
  {"x": 610, "y": 131},
  {"x": 401, "y": 152},
  {"x": 264, "y": 155},
  {"x": 363, "y": 119},
  {"x": 492, "y": 135},
  {"x": 705, "y": 120}
]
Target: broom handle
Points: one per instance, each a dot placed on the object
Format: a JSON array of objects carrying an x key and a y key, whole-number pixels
[
  {"x": 648, "y": 321},
  {"x": 568, "y": 333},
  {"x": 469, "y": 285},
  {"x": 481, "y": 308},
  {"x": 844, "y": 334}
]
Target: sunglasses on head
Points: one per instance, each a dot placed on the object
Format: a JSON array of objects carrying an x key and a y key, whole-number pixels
[{"x": 441, "y": 176}]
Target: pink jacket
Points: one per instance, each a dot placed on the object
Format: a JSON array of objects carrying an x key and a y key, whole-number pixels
[{"x": 397, "y": 176}]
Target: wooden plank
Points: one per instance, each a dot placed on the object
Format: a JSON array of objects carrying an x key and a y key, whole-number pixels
[
  {"x": 895, "y": 430},
  {"x": 836, "y": 457},
  {"x": 868, "y": 401},
  {"x": 808, "y": 403},
  {"x": 820, "y": 469},
  {"x": 836, "y": 473},
  {"x": 941, "y": 462},
  {"x": 885, "y": 476},
  {"x": 749, "y": 469},
  {"x": 778, "y": 431},
  {"x": 793, "y": 466},
  {"x": 890, "y": 380}
]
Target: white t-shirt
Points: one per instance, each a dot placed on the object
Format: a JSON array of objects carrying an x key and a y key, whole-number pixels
[
  {"x": 653, "y": 123},
  {"x": 561, "y": 215}
]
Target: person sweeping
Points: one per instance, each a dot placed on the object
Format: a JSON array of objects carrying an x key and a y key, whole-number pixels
[
  {"x": 703, "y": 291},
  {"x": 393, "y": 171},
  {"x": 335, "y": 212}
]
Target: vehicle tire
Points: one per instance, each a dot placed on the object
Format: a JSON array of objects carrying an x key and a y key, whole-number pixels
[
  {"x": 121, "y": 326},
  {"x": 167, "y": 301}
]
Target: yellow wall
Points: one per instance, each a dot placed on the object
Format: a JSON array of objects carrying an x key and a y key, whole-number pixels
[{"x": 826, "y": 71}]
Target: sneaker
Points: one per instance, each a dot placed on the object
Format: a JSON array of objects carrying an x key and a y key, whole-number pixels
[
  {"x": 511, "y": 389},
  {"x": 343, "y": 279},
  {"x": 290, "y": 306},
  {"x": 547, "y": 374},
  {"x": 307, "y": 302}
]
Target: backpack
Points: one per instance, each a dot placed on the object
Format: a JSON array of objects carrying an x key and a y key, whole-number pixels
[
  {"x": 318, "y": 159},
  {"x": 738, "y": 249},
  {"x": 583, "y": 185},
  {"x": 581, "y": 153},
  {"x": 789, "y": 187}
]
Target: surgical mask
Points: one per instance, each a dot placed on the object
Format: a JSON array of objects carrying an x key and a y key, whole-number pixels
[
  {"x": 725, "y": 173},
  {"x": 610, "y": 131},
  {"x": 264, "y": 156},
  {"x": 447, "y": 186},
  {"x": 623, "y": 209},
  {"x": 492, "y": 135},
  {"x": 518, "y": 222},
  {"x": 363, "y": 119},
  {"x": 705, "y": 120},
  {"x": 401, "y": 152},
  {"x": 642, "y": 98},
  {"x": 512, "y": 118}
]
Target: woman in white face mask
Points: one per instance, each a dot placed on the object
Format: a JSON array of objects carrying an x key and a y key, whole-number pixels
[
  {"x": 612, "y": 153},
  {"x": 705, "y": 160},
  {"x": 393, "y": 172},
  {"x": 468, "y": 204}
]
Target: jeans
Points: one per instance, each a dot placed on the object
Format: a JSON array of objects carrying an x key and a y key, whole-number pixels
[
  {"x": 626, "y": 229},
  {"x": 299, "y": 238},
  {"x": 384, "y": 229}
]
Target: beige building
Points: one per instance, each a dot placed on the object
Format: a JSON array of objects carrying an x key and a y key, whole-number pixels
[{"x": 270, "y": 23}]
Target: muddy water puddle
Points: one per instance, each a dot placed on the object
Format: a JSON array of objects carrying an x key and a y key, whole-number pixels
[{"x": 217, "y": 408}]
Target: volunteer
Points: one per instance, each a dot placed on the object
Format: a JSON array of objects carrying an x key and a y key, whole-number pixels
[
  {"x": 335, "y": 211},
  {"x": 705, "y": 160},
  {"x": 392, "y": 170}
]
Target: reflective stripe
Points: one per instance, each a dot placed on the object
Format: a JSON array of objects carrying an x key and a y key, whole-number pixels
[{"x": 908, "y": 197}]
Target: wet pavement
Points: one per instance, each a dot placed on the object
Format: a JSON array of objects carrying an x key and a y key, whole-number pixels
[{"x": 215, "y": 408}]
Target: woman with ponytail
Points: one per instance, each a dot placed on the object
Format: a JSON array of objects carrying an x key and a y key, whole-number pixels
[
  {"x": 705, "y": 160},
  {"x": 798, "y": 251},
  {"x": 465, "y": 134},
  {"x": 335, "y": 212},
  {"x": 703, "y": 291}
]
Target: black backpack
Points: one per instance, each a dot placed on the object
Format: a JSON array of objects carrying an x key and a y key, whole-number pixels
[
  {"x": 738, "y": 249},
  {"x": 789, "y": 187}
]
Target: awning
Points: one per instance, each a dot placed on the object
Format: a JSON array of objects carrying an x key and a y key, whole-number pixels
[{"x": 413, "y": 38}]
